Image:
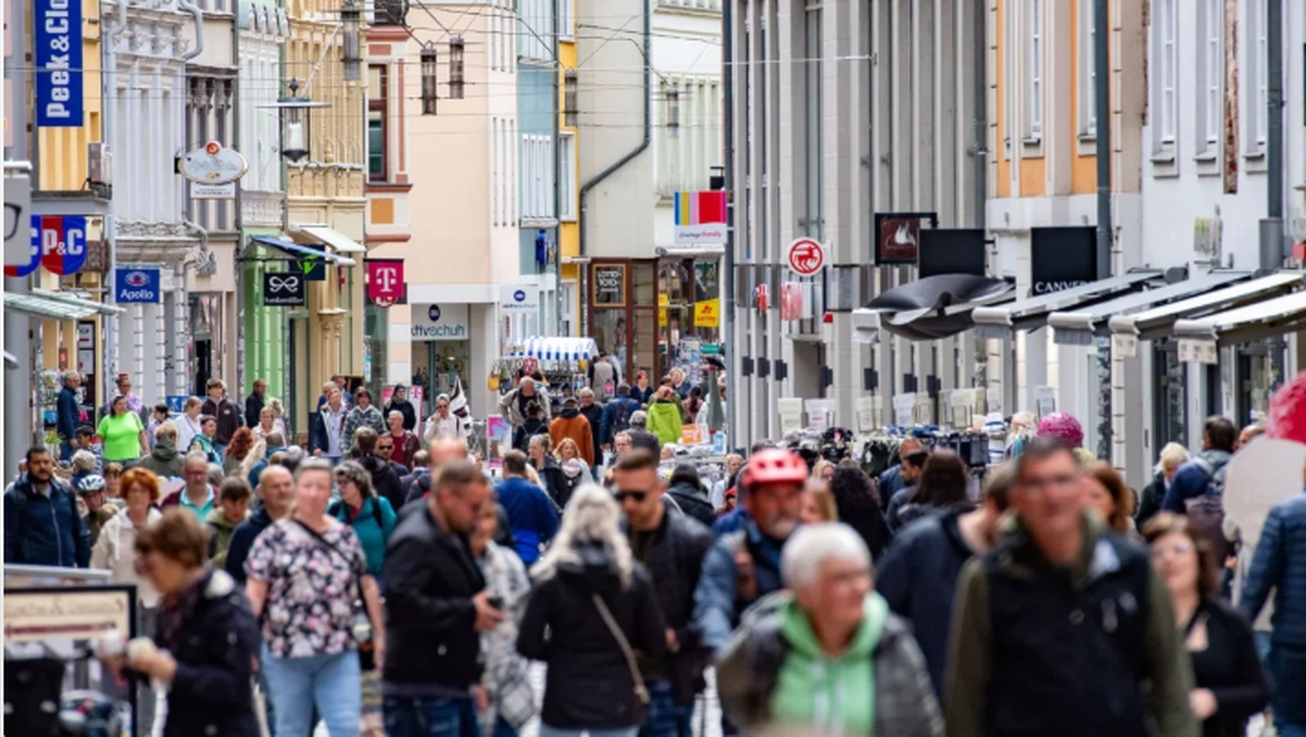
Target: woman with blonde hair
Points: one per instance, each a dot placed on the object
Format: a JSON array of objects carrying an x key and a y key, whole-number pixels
[
  {"x": 818, "y": 503},
  {"x": 823, "y": 471},
  {"x": 598, "y": 605},
  {"x": 575, "y": 471},
  {"x": 1173, "y": 455}
]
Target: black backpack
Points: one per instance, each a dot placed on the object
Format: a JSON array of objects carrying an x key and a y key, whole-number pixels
[
  {"x": 1206, "y": 511},
  {"x": 621, "y": 423}
]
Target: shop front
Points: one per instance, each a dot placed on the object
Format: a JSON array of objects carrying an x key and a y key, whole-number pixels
[
  {"x": 653, "y": 314},
  {"x": 441, "y": 349}
]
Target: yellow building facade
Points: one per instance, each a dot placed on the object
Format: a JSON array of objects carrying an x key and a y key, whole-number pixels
[{"x": 569, "y": 230}]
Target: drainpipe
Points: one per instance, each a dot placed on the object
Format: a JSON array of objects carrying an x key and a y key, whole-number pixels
[
  {"x": 1274, "y": 246},
  {"x": 108, "y": 127},
  {"x": 190, "y": 7},
  {"x": 1102, "y": 106},
  {"x": 648, "y": 138},
  {"x": 238, "y": 220},
  {"x": 728, "y": 333}
]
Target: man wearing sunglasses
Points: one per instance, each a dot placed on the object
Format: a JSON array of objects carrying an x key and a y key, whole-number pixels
[
  {"x": 1060, "y": 627},
  {"x": 671, "y": 546}
]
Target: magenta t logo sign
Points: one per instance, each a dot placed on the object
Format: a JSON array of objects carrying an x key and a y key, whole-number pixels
[{"x": 385, "y": 281}]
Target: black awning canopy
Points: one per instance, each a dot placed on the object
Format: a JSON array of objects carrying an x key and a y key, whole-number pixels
[{"x": 936, "y": 306}]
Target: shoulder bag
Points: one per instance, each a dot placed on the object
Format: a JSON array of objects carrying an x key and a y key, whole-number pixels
[{"x": 641, "y": 691}]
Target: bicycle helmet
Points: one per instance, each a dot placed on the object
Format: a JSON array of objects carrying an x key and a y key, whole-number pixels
[
  {"x": 90, "y": 484},
  {"x": 1064, "y": 426},
  {"x": 1286, "y": 419},
  {"x": 774, "y": 466}
]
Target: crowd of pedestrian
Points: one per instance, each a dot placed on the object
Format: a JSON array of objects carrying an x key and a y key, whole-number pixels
[{"x": 378, "y": 581}]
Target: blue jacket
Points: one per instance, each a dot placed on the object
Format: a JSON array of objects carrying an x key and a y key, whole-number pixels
[
  {"x": 372, "y": 537},
  {"x": 732, "y": 521},
  {"x": 531, "y": 515},
  {"x": 917, "y": 575},
  {"x": 1190, "y": 481},
  {"x": 717, "y": 603},
  {"x": 242, "y": 540},
  {"x": 608, "y": 427},
  {"x": 45, "y": 531},
  {"x": 257, "y": 469},
  {"x": 891, "y": 482},
  {"x": 68, "y": 413},
  {"x": 1280, "y": 564}
]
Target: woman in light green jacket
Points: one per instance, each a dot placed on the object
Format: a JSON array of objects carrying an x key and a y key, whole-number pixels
[{"x": 664, "y": 417}]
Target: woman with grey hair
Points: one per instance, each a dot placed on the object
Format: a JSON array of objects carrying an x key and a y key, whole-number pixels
[
  {"x": 1173, "y": 455},
  {"x": 597, "y": 606},
  {"x": 835, "y": 642}
]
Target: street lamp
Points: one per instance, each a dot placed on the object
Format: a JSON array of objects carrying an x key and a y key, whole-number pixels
[
  {"x": 351, "y": 17},
  {"x": 457, "y": 79},
  {"x": 296, "y": 123},
  {"x": 429, "y": 72}
]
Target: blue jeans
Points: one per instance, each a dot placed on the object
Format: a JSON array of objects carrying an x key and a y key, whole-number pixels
[
  {"x": 331, "y": 682},
  {"x": 1287, "y": 666},
  {"x": 665, "y": 717},
  {"x": 503, "y": 729},
  {"x": 547, "y": 731},
  {"x": 428, "y": 716}
]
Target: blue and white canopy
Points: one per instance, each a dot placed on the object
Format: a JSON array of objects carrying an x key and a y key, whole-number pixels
[{"x": 555, "y": 349}]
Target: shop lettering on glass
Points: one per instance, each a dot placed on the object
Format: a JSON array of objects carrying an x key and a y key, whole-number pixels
[
  {"x": 57, "y": 27},
  {"x": 609, "y": 285}
]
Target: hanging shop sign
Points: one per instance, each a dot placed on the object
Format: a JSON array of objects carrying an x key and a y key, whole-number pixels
[
  {"x": 707, "y": 313},
  {"x": 951, "y": 251},
  {"x": 213, "y": 170},
  {"x": 285, "y": 290},
  {"x": 136, "y": 286},
  {"x": 440, "y": 322},
  {"x": 700, "y": 218},
  {"x": 312, "y": 267},
  {"x": 385, "y": 281},
  {"x": 898, "y": 236},
  {"x": 1062, "y": 258},
  {"x": 805, "y": 256},
  {"x": 17, "y": 267},
  {"x": 519, "y": 298},
  {"x": 57, "y": 30},
  {"x": 610, "y": 285},
  {"x": 63, "y": 243},
  {"x": 68, "y": 612}
]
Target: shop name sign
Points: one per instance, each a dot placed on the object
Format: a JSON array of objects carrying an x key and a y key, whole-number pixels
[
  {"x": 439, "y": 322},
  {"x": 213, "y": 170},
  {"x": 519, "y": 298},
  {"x": 136, "y": 286},
  {"x": 284, "y": 290},
  {"x": 1062, "y": 258},
  {"x": 36, "y": 615},
  {"x": 57, "y": 30}
]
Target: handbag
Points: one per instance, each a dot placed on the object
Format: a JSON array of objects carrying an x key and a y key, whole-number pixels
[{"x": 641, "y": 691}]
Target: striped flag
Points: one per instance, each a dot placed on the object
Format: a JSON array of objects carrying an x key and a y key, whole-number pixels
[{"x": 700, "y": 208}]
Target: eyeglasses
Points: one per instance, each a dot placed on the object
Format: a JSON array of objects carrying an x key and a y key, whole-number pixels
[
  {"x": 1176, "y": 549},
  {"x": 622, "y": 496},
  {"x": 385, "y": 447}
]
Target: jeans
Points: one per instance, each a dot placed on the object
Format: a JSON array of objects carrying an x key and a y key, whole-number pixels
[
  {"x": 665, "y": 717},
  {"x": 547, "y": 731},
  {"x": 331, "y": 682},
  {"x": 503, "y": 729},
  {"x": 428, "y": 716},
  {"x": 1287, "y": 666}
]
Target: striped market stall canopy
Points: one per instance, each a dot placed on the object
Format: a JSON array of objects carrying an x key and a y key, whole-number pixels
[{"x": 555, "y": 349}]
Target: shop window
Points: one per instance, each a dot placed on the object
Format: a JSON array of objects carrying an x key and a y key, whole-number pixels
[
  {"x": 377, "y": 169},
  {"x": 644, "y": 284},
  {"x": 610, "y": 334}
]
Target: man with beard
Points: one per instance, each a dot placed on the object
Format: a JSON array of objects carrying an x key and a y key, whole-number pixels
[{"x": 744, "y": 566}]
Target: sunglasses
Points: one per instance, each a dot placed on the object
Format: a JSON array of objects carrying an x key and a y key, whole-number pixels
[
  {"x": 638, "y": 496},
  {"x": 385, "y": 447}
]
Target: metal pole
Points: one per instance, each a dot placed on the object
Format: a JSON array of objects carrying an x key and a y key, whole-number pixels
[
  {"x": 728, "y": 333},
  {"x": 1272, "y": 240},
  {"x": 1102, "y": 106}
]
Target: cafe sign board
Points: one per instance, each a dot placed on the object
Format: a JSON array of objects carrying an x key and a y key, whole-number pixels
[{"x": 39, "y": 614}]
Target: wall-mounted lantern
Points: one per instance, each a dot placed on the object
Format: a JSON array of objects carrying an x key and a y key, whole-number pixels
[
  {"x": 429, "y": 76},
  {"x": 457, "y": 81},
  {"x": 296, "y": 123},
  {"x": 351, "y": 17}
]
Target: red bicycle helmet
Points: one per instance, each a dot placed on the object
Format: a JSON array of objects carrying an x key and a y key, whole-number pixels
[{"x": 774, "y": 466}]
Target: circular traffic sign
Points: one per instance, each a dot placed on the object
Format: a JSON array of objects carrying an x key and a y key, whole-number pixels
[{"x": 806, "y": 257}]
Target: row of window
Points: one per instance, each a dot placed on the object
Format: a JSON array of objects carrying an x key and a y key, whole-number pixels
[
  {"x": 503, "y": 171},
  {"x": 1027, "y": 20},
  {"x": 688, "y": 137}
]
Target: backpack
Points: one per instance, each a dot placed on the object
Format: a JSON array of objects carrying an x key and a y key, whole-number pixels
[
  {"x": 1206, "y": 511},
  {"x": 621, "y": 422},
  {"x": 337, "y": 509}
]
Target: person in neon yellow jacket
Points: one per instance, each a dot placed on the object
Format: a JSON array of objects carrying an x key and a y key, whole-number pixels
[{"x": 664, "y": 416}]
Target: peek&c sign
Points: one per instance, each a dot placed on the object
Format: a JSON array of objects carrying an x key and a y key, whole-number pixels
[{"x": 57, "y": 27}]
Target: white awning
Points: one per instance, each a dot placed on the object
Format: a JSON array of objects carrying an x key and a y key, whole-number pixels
[
  {"x": 42, "y": 303},
  {"x": 1252, "y": 322},
  {"x": 1079, "y": 327},
  {"x": 330, "y": 236},
  {"x": 1031, "y": 313},
  {"x": 1158, "y": 321},
  {"x": 555, "y": 349}
]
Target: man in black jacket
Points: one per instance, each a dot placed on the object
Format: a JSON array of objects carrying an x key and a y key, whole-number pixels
[
  {"x": 436, "y": 603},
  {"x": 276, "y": 489},
  {"x": 594, "y": 413},
  {"x": 254, "y": 403},
  {"x": 385, "y": 482},
  {"x": 918, "y": 574},
  {"x": 671, "y": 546}
]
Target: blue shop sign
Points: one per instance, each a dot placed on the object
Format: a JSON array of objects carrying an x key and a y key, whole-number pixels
[
  {"x": 57, "y": 26},
  {"x": 133, "y": 286},
  {"x": 177, "y": 403}
]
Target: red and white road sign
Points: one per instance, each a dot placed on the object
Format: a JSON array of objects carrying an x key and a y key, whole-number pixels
[{"x": 806, "y": 257}]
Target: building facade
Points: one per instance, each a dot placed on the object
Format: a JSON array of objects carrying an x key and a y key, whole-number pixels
[{"x": 539, "y": 30}]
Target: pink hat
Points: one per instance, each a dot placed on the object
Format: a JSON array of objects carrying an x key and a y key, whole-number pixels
[
  {"x": 1064, "y": 426},
  {"x": 1286, "y": 419}
]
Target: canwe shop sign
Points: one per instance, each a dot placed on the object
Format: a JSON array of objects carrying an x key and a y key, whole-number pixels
[{"x": 57, "y": 32}]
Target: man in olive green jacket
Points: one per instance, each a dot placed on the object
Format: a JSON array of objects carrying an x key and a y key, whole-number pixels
[{"x": 1064, "y": 629}]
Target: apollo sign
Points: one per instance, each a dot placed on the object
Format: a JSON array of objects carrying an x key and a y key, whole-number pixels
[{"x": 136, "y": 286}]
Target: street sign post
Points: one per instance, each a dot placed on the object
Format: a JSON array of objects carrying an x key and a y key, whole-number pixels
[{"x": 805, "y": 257}]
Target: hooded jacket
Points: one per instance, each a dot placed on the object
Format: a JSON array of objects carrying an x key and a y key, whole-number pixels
[
  {"x": 589, "y": 684},
  {"x": 571, "y": 424},
  {"x": 385, "y": 482},
  {"x": 693, "y": 503},
  {"x": 774, "y": 672},
  {"x": 220, "y": 530},
  {"x": 1279, "y": 563},
  {"x": 371, "y": 535},
  {"x": 44, "y": 531},
  {"x": 164, "y": 460},
  {"x": 115, "y": 552},
  {"x": 531, "y": 515},
  {"x": 917, "y": 576},
  {"x": 405, "y": 408},
  {"x": 664, "y": 420},
  {"x": 612, "y": 422}
]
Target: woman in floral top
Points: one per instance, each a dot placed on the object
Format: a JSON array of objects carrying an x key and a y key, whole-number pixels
[{"x": 304, "y": 577}]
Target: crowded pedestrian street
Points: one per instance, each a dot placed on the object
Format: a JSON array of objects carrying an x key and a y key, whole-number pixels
[{"x": 654, "y": 368}]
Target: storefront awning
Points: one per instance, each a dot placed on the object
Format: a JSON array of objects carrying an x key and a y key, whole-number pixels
[
  {"x": 10, "y": 361},
  {"x": 555, "y": 349},
  {"x": 1252, "y": 322},
  {"x": 1031, "y": 313},
  {"x": 298, "y": 251},
  {"x": 928, "y": 309},
  {"x": 1159, "y": 321},
  {"x": 328, "y": 235},
  {"x": 40, "y": 303},
  {"x": 1079, "y": 327}
]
